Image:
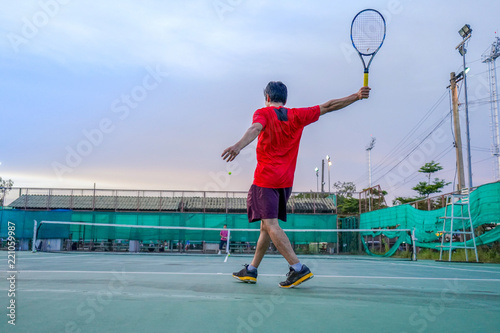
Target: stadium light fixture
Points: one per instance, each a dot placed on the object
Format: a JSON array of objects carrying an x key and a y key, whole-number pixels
[
  {"x": 462, "y": 50},
  {"x": 461, "y": 74},
  {"x": 465, "y": 31}
]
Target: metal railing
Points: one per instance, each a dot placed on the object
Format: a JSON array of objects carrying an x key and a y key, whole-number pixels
[
  {"x": 154, "y": 200},
  {"x": 435, "y": 202}
]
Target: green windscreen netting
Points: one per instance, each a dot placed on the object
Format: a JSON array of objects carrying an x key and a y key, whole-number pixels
[
  {"x": 485, "y": 211},
  {"x": 428, "y": 225},
  {"x": 24, "y": 221}
]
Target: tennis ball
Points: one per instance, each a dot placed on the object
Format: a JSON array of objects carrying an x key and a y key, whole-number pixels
[{"x": 229, "y": 173}]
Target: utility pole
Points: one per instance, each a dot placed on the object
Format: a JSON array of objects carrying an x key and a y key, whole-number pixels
[{"x": 458, "y": 135}]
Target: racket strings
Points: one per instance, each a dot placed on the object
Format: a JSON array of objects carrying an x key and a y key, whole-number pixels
[{"x": 368, "y": 32}]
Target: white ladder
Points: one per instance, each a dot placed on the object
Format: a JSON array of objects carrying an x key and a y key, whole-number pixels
[{"x": 461, "y": 203}]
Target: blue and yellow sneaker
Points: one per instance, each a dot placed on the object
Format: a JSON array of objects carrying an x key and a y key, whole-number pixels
[
  {"x": 293, "y": 278},
  {"x": 245, "y": 275}
]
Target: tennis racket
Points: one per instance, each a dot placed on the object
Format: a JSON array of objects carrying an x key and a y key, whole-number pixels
[{"x": 367, "y": 36}]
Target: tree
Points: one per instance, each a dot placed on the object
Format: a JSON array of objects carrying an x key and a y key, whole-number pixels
[
  {"x": 404, "y": 200},
  {"x": 345, "y": 189},
  {"x": 346, "y": 204},
  {"x": 5, "y": 186},
  {"x": 430, "y": 168},
  {"x": 427, "y": 188}
]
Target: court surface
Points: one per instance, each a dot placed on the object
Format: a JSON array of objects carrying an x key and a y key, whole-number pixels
[{"x": 92, "y": 292}]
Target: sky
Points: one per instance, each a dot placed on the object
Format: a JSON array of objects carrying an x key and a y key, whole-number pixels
[{"x": 147, "y": 94}]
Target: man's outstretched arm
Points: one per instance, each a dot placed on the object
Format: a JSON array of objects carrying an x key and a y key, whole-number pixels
[
  {"x": 252, "y": 132},
  {"x": 337, "y": 104}
]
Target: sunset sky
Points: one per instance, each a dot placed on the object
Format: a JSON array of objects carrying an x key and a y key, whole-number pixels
[{"x": 147, "y": 94}]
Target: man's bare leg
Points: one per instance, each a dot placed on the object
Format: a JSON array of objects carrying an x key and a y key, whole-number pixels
[
  {"x": 270, "y": 230},
  {"x": 280, "y": 240},
  {"x": 262, "y": 246}
]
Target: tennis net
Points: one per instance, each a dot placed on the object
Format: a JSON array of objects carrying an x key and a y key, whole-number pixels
[{"x": 106, "y": 237}]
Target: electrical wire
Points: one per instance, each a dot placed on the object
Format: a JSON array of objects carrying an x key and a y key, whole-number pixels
[
  {"x": 394, "y": 151},
  {"x": 404, "y": 144},
  {"x": 417, "y": 174},
  {"x": 415, "y": 148}
]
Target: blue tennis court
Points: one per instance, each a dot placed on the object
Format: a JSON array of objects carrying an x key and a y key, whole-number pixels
[{"x": 99, "y": 292}]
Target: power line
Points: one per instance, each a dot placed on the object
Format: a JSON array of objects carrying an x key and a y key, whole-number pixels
[
  {"x": 415, "y": 148},
  {"x": 444, "y": 171},
  {"x": 476, "y": 74},
  {"x": 403, "y": 144},
  {"x": 415, "y": 175},
  {"x": 481, "y": 161},
  {"x": 417, "y": 126}
]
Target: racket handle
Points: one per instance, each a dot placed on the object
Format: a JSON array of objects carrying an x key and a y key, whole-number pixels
[{"x": 365, "y": 79}]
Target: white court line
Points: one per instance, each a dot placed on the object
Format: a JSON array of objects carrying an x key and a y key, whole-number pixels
[
  {"x": 452, "y": 268},
  {"x": 430, "y": 266},
  {"x": 64, "y": 256},
  {"x": 272, "y": 275},
  {"x": 139, "y": 294},
  {"x": 405, "y": 278},
  {"x": 378, "y": 262}
]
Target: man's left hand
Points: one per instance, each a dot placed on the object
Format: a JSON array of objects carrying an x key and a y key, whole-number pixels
[{"x": 230, "y": 153}]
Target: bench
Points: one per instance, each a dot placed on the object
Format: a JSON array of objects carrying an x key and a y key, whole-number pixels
[
  {"x": 210, "y": 247},
  {"x": 241, "y": 247}
]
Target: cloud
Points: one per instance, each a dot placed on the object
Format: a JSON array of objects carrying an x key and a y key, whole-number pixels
[{"x": 65, "y": 78}]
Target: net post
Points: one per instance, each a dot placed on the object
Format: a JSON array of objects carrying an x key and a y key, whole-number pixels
[
  {"x": 228, "y": 240},
  {"x": 414, "y": 255},
  {"x": 33, "y": 245},
  {"x": 337, "y": 226}
]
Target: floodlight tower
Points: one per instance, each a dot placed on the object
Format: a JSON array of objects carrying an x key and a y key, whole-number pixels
[
  {"x": 489, "y": 57},
  {"x": 329, "y": 165},
  {"x": 369, "y": 150},
  {"x": 317, "y": 179},
  {"x": 465, "y": 33}
]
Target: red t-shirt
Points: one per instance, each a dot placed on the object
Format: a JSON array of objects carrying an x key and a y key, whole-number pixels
[{"x": 278, "y": 144}]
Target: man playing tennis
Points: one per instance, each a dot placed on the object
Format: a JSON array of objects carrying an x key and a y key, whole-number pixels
[{"x": 279, "y": 130}]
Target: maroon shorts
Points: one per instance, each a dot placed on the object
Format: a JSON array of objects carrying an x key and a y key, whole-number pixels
[{"x": 267, "y": 203}]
